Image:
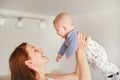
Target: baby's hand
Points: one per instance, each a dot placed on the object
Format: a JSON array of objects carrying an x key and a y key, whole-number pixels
[
  {"x": 59, "y": 56},
  {"x": 68, "y": 58}
]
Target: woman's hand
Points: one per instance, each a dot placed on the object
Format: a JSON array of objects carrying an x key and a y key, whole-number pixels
[
  {"x": 82, "y": 42},
  {"x": 83, "y": 67}
]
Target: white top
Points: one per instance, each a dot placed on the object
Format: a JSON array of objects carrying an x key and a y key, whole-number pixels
[
  {"x": 50, "y": 79},
  {"x": 98, "y": 59}
]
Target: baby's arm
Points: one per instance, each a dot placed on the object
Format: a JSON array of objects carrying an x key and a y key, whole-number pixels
[
  {"x": 61, "y": 52},
  {"x": 73, "y": 45},
  {"x": 82, "y": 71}
]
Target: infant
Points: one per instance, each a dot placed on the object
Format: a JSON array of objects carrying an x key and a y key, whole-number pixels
[{"x": 95, "y": 53}]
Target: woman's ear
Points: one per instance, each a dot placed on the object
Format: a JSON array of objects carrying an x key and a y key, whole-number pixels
[
  {"x": 31, "y": 65},
  {"x": 28, "y": 63}
]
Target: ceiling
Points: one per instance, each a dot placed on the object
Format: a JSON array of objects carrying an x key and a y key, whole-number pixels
[{"x": 53, "y": 7}]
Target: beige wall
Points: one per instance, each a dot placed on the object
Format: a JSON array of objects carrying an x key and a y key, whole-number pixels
[
  {"x": 10, "y": 37},
  {"x": 104, "y": 27}
]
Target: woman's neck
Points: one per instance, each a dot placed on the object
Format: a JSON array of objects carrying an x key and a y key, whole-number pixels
[
  {"x": 41, "y": 73},
  {"x": 41, "y": 76}
]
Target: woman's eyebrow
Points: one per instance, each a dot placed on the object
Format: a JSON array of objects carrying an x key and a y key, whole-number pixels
[{"x": 33, "y": 46}]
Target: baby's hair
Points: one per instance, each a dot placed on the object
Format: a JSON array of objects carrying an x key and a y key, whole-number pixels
[{"x": 61, "y": 15}]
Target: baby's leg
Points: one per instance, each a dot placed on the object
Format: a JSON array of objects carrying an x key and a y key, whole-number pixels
[
  {"x": 98, "y": 57},
  {"x": 115, "y": 76}
]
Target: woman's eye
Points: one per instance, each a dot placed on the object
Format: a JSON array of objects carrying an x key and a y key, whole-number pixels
[{"x": 35, "y": 50}]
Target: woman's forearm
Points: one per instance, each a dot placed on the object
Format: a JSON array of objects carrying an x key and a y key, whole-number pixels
[
  {"x": 69, "y": 76},
  {"x": 83, "y": 66}
]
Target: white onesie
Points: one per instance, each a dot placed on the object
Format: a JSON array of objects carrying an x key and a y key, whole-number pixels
[
  {"x": 97, "y": 57},
  {"x": 50, "y": 79}
]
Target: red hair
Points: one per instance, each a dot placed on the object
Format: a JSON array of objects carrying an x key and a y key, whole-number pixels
[{"x": 19, "y": 71}]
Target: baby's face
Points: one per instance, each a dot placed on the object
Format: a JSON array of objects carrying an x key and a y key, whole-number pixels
[{"x": 60, "y": 29}]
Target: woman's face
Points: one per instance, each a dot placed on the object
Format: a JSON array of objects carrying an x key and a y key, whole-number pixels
[{"x": 36, "y": 54}]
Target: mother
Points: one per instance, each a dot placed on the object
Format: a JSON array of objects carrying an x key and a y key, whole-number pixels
[{"x": 28, "y": 63}]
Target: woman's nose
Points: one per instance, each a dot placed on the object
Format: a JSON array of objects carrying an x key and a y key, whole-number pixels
[{"x": 40, "y": 50}]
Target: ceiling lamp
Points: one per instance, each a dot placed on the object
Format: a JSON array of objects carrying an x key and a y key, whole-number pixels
[
  {"x": 2, "y": 21},
  {"x": 19, "y": 23},
  {"x": 43, "y": 24}
]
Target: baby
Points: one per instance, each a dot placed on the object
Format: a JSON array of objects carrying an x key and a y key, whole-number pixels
[{"x": 96, "y": 54}]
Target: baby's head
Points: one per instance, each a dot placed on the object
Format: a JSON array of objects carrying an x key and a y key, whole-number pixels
[{"x": 63, "y": 24}]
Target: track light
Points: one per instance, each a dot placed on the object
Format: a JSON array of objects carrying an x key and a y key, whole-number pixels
[
  {"x": 43, "y": 24},
  {"x": 19, "y": 23},
  {"x": 2, "y": 21}
]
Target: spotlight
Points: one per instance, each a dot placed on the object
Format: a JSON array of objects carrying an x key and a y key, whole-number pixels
[
  {"x": 43, "y": 24},
  {"x": 19, "y": 23},
  {"x": 2, "y": 21}
]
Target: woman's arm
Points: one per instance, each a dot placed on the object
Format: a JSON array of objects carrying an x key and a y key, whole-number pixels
[{"x": 82, "y": 71}]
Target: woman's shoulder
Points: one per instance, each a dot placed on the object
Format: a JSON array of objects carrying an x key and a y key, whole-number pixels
[{"x": 50, "y": 79}]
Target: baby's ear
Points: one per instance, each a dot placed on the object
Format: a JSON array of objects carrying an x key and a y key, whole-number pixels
[{"x": 64, "y": 27}]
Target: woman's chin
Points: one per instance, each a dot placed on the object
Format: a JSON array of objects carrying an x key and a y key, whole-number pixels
[{"x": 47, "y": 60}]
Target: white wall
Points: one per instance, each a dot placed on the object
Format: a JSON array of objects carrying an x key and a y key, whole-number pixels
[
  {"x": 103, "y": 27},
  {"x": 10, "y": 37}
]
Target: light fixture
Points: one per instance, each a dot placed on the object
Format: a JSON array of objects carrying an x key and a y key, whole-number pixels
[
  {"x": 43, "y": 24},
  {"x": 2, "y": 21},
  {"x": 19, "y": 23}
]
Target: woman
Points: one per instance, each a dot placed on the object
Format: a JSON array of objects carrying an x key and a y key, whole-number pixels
[{"x": 28, "y": 63}]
